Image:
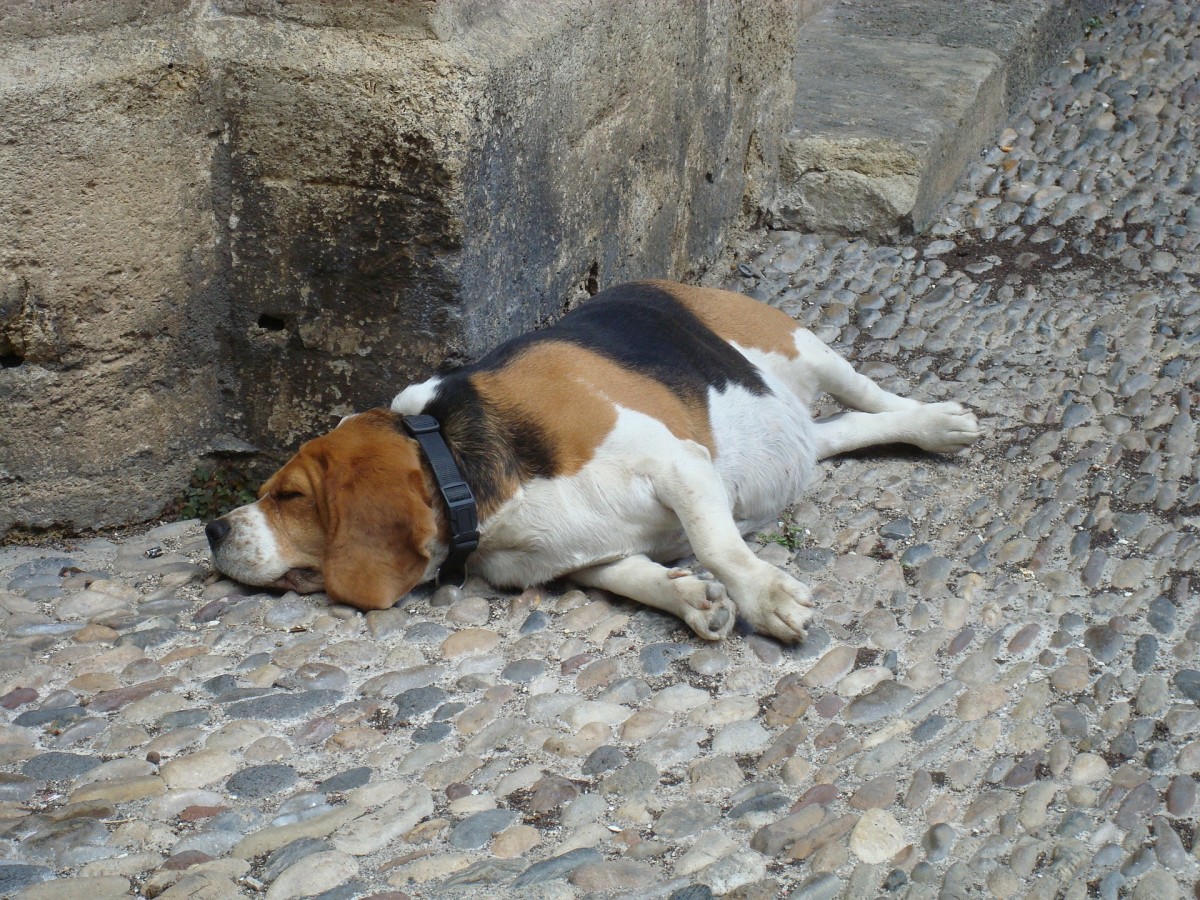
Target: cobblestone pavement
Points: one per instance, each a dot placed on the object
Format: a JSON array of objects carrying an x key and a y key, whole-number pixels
[{"x": 1000, "y": 698}]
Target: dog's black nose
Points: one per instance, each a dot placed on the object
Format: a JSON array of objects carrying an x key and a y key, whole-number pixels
[{"x": 216, "y": 531}]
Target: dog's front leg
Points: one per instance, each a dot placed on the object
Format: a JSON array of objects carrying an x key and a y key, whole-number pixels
[
  {"x": 703, "y": 605},
  {"x": 688, "y": 484}
]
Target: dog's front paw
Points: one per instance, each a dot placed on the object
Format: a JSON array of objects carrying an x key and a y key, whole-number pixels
[
  {"x": 705, "y": 605},
  {"x": 782, "y": 609},
  {"x": 947, "y": 428}
]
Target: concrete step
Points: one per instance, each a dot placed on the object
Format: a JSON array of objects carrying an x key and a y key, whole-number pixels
[{"x": 893, "y": 97}]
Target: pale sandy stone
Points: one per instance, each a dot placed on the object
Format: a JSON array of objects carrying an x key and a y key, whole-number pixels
[
  {"x": 116, "y": 769},
  {"x": 922, "y": 675},
  {"x": 356, "y": 738},
  {"x": 123, "y": 790},
  {"x": 519, "y": 780},
  {"x": 1070, "y": 679},
  {"x": 90, "y": 604},
  {"x": 313, "y": 874},
  {"x": 272, "y": 838},
  {"x": 199, "y": 769},
  {"x": 236, "y": 735},
  {"x": 707, "y": 849},
  {"x": 954, "y": 613},
  {"x": 595, "y": 711},
  {"x": 151, "y": 709},
  {"x": 877, "y": 837},
  {"x": 469, "y": 611},
  {"x": 1033, "y": 806},
  {"x": 127, "y": 864},
  {"x": 1130, "y": 574},
  {"x": 722, "y": 712},
  {"x": 980, "y": 702},
  {"x": 264, "y": 676},
  {"x": 796, "y": 771},
  {"x": 369, "y": 833},
  {"x": 862, "y": 680},
  {"x": 1083, "y": 796},
  {"x": 1025, "y": 738},
  {"x": 679, "y": 698},
  {"x": 470, "y": 642},
  {"x": 988, "y": 735},
  {"x": 515, "y": 841},
  {"x": 591, "y": 835},
  {"x": 831, "y": 667},
  {"x": 172, "y": 803},
  {"x": 268, "y": 749},
  {"x": 471, "y": 803},
  {"x": 99, "y": 887},
  {"x": 734, "y": 871},
  {"x": 584, "y": 617},
  {"x": 600, "y": 634},
  {"x": 580, "y": 744},
  {"x": 1088, "y": 768}
]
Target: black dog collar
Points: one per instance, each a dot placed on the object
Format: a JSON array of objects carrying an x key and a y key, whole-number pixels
[{"x": 462, "y": 513}]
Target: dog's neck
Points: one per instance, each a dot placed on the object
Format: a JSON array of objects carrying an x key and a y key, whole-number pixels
[{"x": 484, "y": 445}]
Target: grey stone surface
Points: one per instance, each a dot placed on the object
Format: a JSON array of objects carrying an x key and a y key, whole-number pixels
[
  {"x": 56, "y": 766},
  {"x": 476, "y": 830},
  {"x": 257, "y": 782},
  {"x": 347, "y": 780},
  {"x": 282, "y": 706},
  {"x": 13, "y": 877},
  {"x": 557, "y": 866}
]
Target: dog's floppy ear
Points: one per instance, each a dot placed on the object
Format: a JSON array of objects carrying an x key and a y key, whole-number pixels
[{"x": 379, "y": 524}]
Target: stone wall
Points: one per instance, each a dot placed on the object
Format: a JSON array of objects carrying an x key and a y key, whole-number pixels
[
  {"x": 110, "y": 275},
  {"x": 223, "y": 222}
]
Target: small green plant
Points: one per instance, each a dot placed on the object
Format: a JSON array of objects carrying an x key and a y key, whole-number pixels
[
  {"x": 789, "y": 534},
  {"x": 1091, "y": 25},
  {"x": 213, "y": 491}
]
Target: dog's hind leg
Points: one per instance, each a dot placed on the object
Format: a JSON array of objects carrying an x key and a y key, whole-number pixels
[
  {"x": 878, "y": 416},
  {"x": 937, "y": 427},
  {"x": 703, "y": 605},
  {"x": 826, "y": 371}
]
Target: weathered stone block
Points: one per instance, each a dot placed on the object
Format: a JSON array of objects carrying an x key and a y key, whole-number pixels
[
  {"x": 108, "y": 266},
  {"x": 231, "y": 221},
  {"x": 35, "y": 19},
  {"x": 895, "y": 96}
]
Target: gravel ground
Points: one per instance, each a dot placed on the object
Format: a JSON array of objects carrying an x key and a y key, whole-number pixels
[{"x": 999, "y": 698}]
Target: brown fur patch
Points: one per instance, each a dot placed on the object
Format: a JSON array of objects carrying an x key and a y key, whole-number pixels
[
  {"x": 571, "y": 394},
  {"x": 737, "y": 318}
]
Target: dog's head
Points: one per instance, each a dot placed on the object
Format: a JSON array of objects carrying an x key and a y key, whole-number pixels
[{"x": 352, "y": 513}]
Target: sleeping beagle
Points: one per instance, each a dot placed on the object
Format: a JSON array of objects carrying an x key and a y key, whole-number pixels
[{"x": 655, "y": 421}]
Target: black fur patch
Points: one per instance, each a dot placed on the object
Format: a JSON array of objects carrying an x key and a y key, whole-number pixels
[
  {"x": 644, "y": 329},
  {"x": 492, "y": 448}
]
